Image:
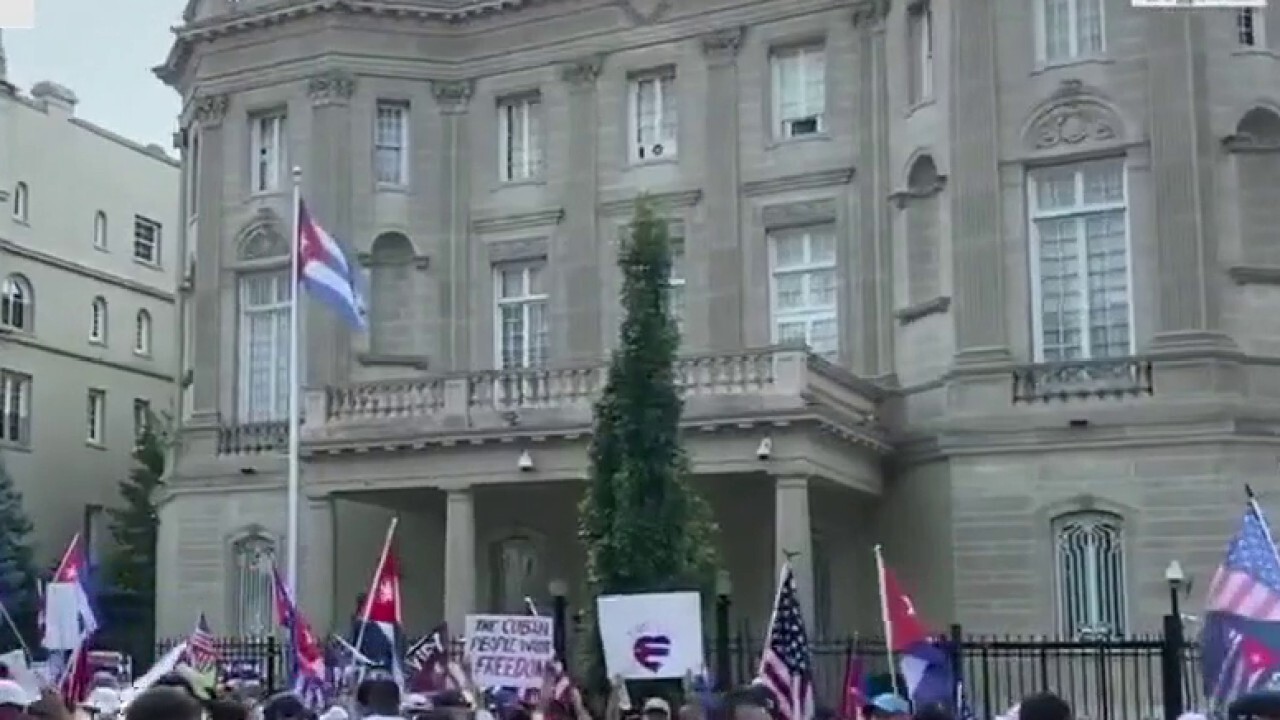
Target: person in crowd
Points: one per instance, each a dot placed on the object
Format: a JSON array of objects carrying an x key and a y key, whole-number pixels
[
  {"x": 934, "y": 711},
  {"x": 335, "y": 712},
  {"x": 747, "y": 703},
  {"x": 1044, "y": 706},
  {"x": 14, "y": 700},
  {"x": 283, "y": 706},
  {"x": 888, "y": 706},
  {"x": 227, "y": 708},
  {"x": 102, "y": 702},
  {"x": 378, "y": 699},
  {"x": 165, "y": 702}
]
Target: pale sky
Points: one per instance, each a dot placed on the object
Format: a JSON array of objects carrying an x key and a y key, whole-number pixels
[{"x": 104, "y": 52}]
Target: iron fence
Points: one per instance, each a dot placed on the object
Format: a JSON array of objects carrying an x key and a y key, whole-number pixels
[{"x": 1113, "y": 679}]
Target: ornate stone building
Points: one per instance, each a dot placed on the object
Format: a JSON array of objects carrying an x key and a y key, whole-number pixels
[{"x": 992, "y": 288}]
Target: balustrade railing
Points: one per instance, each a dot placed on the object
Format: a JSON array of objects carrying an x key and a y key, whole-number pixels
[{"x": 1083, "y": 379}]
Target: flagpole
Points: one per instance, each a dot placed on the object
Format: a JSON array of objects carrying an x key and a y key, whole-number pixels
[
  {"x": 295, "y": 276},
  {"x": 368, "y": 601},
  {"x": 1266, "y": 527},
  {"x": 884, "y": 619}
]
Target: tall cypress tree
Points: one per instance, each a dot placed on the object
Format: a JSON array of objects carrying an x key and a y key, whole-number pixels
[
  {"x": 644, "y": 526},
  {"x": 18, "y": 574},
  {"x": 131, "y": 568}
]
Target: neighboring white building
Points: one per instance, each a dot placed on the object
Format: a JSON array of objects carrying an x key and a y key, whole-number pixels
[{"x": 88, "y": 323}]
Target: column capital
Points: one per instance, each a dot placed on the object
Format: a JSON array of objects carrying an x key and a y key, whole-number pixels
[
  {"x": 459, "y": 493},
  {"x": 209, "y": 110},
  {"x": 723, "y": 44},
  {"x": 870, "y": 14},
  {"x": 452, "y": 95},
  {"x": 332, "y": 87},
  {"x": 583, "y": 72},
  {"x": 793, "y": 482}
]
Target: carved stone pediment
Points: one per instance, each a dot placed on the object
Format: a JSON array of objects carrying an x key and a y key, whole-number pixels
[
  {"x": 262, "y": 238},
  {"x": 1073, "y": 123}
]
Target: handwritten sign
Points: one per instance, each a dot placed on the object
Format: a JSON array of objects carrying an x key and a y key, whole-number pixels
[
  {"x": 651, "y": 636},
  {"x": 509, "y": 650}
]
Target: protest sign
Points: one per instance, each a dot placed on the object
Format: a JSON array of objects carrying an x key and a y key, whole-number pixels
[
  {"x": 509, "y": 650},
  {"x": 651, "y": 636}
]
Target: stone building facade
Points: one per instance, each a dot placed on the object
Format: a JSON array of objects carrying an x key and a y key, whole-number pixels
[{"x": 992, "y": 289}]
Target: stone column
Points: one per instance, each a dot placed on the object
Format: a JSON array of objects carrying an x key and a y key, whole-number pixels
[
  {"x": 318, "y": 559},
  {"x": 871, "y": 350},
  {"x": 453, "y": 99},
  {"x": 577, "y": 331},
  {"x": 459, "y": 556},
  {"x": 207, "y": 294},
  {"x": 326, "y": 184},
  {"x": 974, "y": 188},
  {"x": 725, "y": 274},
  {"x": 1183, "y": 162},
  {"x": 793, "y": 537}
]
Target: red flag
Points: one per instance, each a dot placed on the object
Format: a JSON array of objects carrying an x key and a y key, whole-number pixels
[
  {"x": 903, "y": 624},
  {"x": 854, "y": 697},
  {"x": 383, "y": 605},
  {"x": 77, "y": 676}
]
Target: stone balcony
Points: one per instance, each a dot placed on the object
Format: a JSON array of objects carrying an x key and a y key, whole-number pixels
[{"x": 776, "y": 385}]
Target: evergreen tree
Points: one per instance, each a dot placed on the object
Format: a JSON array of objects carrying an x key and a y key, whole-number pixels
[
  {"x": 644, "y": 526},
  {"x": 18, "y": 574},
  {"x": 132, "y": 566}
]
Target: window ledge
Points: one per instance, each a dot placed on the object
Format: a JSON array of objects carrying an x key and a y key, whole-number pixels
[
  {"x": 1043, "y": 66},
  {"x": 101, "y": 248},
  {"x": 417, "y": 362},
  {"x": 142, "y": 354},
  {"x": 392, "y": 188},
  {"x": 95, "y": 444},
  {"x": 16, "y": 446},
  {"x": 918, "y": 311},
  {"x": 633, "y": 163},
  {"x": 777, "y": 142},
  {"x": 147, "y": 264},
  {"x": 1254, "y": 274},
  {"x": 919, "y": 105},
  {"x": 1255, "y": 52},
  {"x": 507, "y": 184},
  {"x": 13, "y": 330},
  {"x": 97, "y": 343},
  {"x": 21, "y": 221}
]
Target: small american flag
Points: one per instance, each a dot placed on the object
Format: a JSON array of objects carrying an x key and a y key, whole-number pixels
[
  {"x": 785, "y": 669},
  {"x": 1247, "y": 583},
  {"x": 201, "y": 652}
]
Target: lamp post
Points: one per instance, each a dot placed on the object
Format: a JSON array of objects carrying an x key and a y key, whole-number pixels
[
  {"x": 724, "y": 600},
  {"x": 1176, "y": 579},
  {"x": 559, "y": 590}
]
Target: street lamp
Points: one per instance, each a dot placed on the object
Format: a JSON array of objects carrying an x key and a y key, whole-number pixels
[
  {"x": 1174, "y": 644},
  {"x": 724, "y": 600},
  {"x": 1176, "y": 579}
]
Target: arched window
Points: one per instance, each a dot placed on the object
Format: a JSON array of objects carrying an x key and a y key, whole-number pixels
[
  {"x": 1256, "y": 151},
  {"x": 21, "y": 202},
  {"x": 17, "y": 304},
  {"x": 391, "y": 303},
  {"x": 922, "y": 207},
  {"x": 142, "y": 333},
  {"x": 1089, "y": 549},
  {"x": 252, "y": 558},
  {"x": 98, "y": 321},
  {"x": 515, "y": 572},
  {"x": 100, "y": 230}
]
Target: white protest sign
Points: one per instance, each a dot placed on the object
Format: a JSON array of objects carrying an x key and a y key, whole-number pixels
[
  {"x": 509, "y": 650},
  {"x": 651, "y": 636}
]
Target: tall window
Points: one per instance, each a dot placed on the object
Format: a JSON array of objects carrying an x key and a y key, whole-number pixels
[
  {"x": 264, "y": 346},
  {"x": 804, "y": 289},
  {"x": 1251, "y": 27},
  {"x": 252, "y": 559},
  {"x": 100, "y": 230},
  {"x": 146, "y": 240},
  {"x": 266, "y": 146},
  {"x": 96, "y": 417},
  {"x": 1069, "y": 29},
  {"x": 15, "y": 408},
  {"x": 21, "y": 202},
  {"x": 193, "y": 174},
  {"x": 141, "y": 417},
  {"x": 522, "y": 315},
  {"x": 1080, "y": 261},
  {"x": 654, "y": 118},
  {"x": 391, "y": 143},
  {"x": 799, "y": 91},
  {"x": 1090, "y": 575},
  {"x": 98, "y": 321},
  {"x": 520, "y": 138},
  {"x": 17, "y": 304},
  {"x": 515, "y": 574},
  {"x": 142, "y": 333},
  {"x": 676, "y": 282},
  {"x": 920, "y": 44}
]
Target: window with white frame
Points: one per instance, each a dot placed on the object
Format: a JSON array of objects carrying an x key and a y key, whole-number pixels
[
  {"x": 266, "y": 147},
  {"x": 100, "y": 230},
  {"x": 391, "y": 143},
  {"x": 804, "y": 288},
  {"x": 654, "y": 119},
  {"x": 1251, "y": 27},
  {"x": 253, "y": 558},
  {"x": 1082, "y": 304},
  {"x": 1090, "y": 569},
  {"x": 146, "y": 240},
  {"x": 521, "y": 314},
  {"x": 142, "y": 333},
  {"x": 1069, "y": 30},
  {"x": 96, "y": 431},
  {"x": 98, "y": 321},
  {"x": 264, "y": 346},
  {"x": 799, "y": 90},
  {"x": 520, "y": 138},
  {"x": 141, "y": 417},
  {"x": 920, "y": 44},
  {"x": 21, "y": 202},
  {"x": 15, "y": 408},
  {"x": 17, "y": 304}
]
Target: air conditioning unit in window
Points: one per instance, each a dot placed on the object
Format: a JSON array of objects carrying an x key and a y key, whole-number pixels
[
  {"x": 802, "y": 126},
  {"x": 653, "y": 151}
]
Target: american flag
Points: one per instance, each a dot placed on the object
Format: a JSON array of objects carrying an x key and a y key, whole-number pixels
[
  {"x": 201, "y": 652},
  {"x": 785, "y": 669},
  {"x": 1247, "y": 584}
]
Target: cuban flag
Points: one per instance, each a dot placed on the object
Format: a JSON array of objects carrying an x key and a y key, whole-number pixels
[
  {"x": 327, "y": 273},
  {"x": 308, "y": 678},
  {"x": 68, "y": 616},
  {"x": 378, "y": 630},
  {"x": 925, "y": 665}
]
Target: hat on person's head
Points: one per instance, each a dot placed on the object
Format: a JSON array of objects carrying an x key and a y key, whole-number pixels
[
  {"x": 656, "y": 705},
  {"x": 11, "y": 693},
  {"x": 103, "y": 700},
  {"x": 889, "y": 704}
]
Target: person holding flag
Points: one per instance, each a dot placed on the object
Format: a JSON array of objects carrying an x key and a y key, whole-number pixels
[{"x": 307, "y": 675}]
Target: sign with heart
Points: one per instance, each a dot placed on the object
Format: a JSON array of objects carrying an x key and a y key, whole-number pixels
[{"x": 651, "y": 636}]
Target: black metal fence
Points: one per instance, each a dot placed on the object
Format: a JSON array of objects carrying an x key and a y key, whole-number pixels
[{"x": 1112, "y": 679}]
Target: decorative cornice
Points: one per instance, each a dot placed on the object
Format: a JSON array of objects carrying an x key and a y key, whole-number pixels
[
  {"x": 419, "y": 261},
  {"x": 665, "y": 201},
  {"x": 870, "y": 13},
  {"x": 933, "y": 306},
  {"x": 644, "y": 12},
  {"x": 331, "y": 87},
  {"x": 723, "y": 44},
  {"x": 26, "y": 253},
  {"x": 417, "y": 362},
  {"x": 804, "y": 181},
  {"x": 583, "y": 71},
  {"x": 209, "y": 110},
  {"x": 452, "y": 94},
  {"x": 505, "y": 222}
]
